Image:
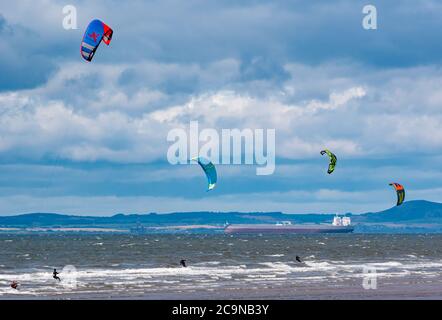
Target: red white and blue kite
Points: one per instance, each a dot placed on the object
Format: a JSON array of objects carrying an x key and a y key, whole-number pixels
[{"x": 96, "y": 32}]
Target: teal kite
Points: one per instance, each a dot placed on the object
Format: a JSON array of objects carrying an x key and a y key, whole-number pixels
[{"x": 209, "y": 170}]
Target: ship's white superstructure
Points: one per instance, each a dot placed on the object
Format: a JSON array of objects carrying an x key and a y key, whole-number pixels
[{"x": 341, "y": 221}]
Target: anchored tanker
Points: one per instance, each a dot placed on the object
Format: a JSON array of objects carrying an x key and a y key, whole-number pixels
[{"x": 339, "y": 225}]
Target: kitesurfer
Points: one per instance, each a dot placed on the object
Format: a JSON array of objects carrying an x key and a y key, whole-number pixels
[
  {"x": 298, "y": 259},
  {"x": 183, "y": 263},
  {"x": 14, "y": 285},
  {"x": 55, "y": 275}
]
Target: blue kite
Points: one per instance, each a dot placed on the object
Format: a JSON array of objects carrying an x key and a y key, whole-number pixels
[{"x": 96, "y": 32}]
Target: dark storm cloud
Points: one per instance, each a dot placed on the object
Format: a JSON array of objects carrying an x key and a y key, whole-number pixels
[{"x": 261, "y": 35}]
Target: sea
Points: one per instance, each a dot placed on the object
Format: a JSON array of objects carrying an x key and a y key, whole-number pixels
[{"x": 126, "y": 266}]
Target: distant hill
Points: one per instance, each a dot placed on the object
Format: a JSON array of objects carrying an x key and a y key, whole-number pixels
[
  {"x": 411, "y": 211},
  {"x": 412, "y": 216},
  {"x": 153, "y": 219}
]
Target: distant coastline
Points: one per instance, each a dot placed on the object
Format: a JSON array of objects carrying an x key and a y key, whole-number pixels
[
  {"x": 412, "y": 217},
  {"x": 110, "y": 230}
]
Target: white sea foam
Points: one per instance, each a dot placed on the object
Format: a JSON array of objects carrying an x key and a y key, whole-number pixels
[
  {"x": 212, "y": 273},
  {"x": 128, "y": 245}
]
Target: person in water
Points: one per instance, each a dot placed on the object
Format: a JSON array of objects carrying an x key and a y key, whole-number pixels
[
  {"x": 183, "y": 263},
  {"x": 55, "y": 275},
  {"x": 298, "y": 259},
  {"x": 14, "y": 285}
]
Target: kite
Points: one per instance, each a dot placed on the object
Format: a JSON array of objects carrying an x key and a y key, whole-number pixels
[
  {"x": 332, "y": 164},
  {"x": 400, "y": 192},
  {"x": 209, "y": 170},
  {"x": 96, "y": 32}
]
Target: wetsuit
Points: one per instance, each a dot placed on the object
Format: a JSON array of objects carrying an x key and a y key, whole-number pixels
[
  {"x": 54, "y": 275},
  {"x": 183, "y": 263}
]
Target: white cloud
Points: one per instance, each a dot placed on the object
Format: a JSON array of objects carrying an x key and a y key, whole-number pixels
[
  {"x": 108, "y": 121},
  {"x": 100, "y": 123},
  {"x": 337, "y": 99}
]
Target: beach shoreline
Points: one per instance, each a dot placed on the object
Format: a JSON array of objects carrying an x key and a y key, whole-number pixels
[{"x": 404, "y": 288}]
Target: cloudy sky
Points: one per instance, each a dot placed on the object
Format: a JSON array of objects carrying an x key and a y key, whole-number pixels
[{"x": 90, "y": 138}]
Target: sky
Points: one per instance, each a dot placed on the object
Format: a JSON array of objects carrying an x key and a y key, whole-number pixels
[{"x": 91, "y": 138}]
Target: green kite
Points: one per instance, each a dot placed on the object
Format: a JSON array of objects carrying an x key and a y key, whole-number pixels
[{"x": 333, "y": 159}]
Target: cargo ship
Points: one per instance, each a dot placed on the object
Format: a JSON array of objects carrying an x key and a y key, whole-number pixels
[{"x": 339, "y": 225}]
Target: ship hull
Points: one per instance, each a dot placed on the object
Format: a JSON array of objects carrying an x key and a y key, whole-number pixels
[{"x": 275, "y": 229}]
